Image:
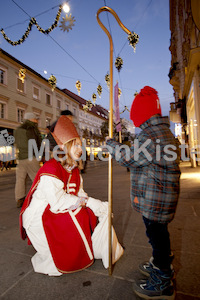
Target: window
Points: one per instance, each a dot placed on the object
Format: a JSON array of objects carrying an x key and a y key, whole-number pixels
[
  {"x": 48, "y": 121},
  {"x": 36, "y": 93},
  {"x": 48, "y": 99},
  {"x": 20, "y": 85},
  {"x": 67, "y": 106},
  {"x": 20, "y": 115},
  {"x": 74, "y": 111},
  {"x": 3, "y": 75},
  {"x": 59, "y": 103},
  {"x": 2, "y": 110}
]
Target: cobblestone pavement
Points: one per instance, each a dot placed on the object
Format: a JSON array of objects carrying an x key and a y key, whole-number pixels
[{"x": 19, "y": 281}]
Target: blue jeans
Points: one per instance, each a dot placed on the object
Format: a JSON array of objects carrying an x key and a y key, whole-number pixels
[{"x": 159, "y": 239}]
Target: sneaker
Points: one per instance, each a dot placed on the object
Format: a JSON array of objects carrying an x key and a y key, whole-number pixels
[
  {"x": 147, "y": 267},
  {"x": 157, "y": 286}
]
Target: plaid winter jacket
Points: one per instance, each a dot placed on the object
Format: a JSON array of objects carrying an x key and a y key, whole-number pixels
[{"x": 154, "y": 169}]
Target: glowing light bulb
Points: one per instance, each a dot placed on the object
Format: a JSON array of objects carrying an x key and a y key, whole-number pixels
[{"x": 66, "y": 7}]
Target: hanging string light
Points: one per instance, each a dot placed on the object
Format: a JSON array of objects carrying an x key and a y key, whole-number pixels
[
  {"x": 52, "y": 81},
  {"x": 133, "y": 39},
  {"x": 125, "y": 108},
  {"x": 119, "y": 92},
  {"x": 118, "y": 63},
  {"x": 78, "y": 86},
  {"x": 31, "y": 23},
  {"x": 99, "y": 90},
  {"x": 22, "y": 74},
  {"x": 107, "y": 79},
  {"x": 94, "y": 98}
]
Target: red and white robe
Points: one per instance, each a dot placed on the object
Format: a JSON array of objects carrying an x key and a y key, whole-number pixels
[{"x": 60, "y": 234}]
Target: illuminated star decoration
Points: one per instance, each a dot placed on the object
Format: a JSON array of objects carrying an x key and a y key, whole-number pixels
[
  {"x": 133, "y": 39},
  {"x": 88, "y": 106},
  {"x": 78, "y": 86},
  {"x": 67, "y": 23},
  {"x": 22, "y": 74},
  {"x": 99, "y": 90},
  {"x": 94, "y": 98},
  {"x": 107, "y": 80},
  {"x": 119, "y": 92},
  {"x": 52, "y": 81},
  {"x": 118, "y": 63}
]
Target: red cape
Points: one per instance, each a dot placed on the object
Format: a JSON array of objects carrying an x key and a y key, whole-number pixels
[{"x": 66, "y": 245}]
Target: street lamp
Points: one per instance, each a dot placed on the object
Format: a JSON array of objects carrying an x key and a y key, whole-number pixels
[
  {"x": 66, "y": 7},
  {"x": 133, "y": 40}
]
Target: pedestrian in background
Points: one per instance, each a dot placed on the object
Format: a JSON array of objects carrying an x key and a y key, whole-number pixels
[
  {"x": 154, "y": 190},
  {"x": 28, "y": 130}
]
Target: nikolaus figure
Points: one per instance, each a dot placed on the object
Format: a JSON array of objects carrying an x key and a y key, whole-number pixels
[{"x": 67, "y": 228}]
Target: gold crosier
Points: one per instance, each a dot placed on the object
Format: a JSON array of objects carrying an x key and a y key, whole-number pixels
[{"x": 110, "y": 196}]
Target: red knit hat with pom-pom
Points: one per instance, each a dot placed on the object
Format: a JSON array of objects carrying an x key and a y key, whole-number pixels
[{"x": 144, "y": 106}]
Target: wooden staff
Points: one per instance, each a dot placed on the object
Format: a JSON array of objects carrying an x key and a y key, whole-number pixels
[{"x": 110, "y": 169}]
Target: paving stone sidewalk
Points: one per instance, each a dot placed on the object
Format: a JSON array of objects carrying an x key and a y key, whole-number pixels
[{"x": 18, "y": 280}]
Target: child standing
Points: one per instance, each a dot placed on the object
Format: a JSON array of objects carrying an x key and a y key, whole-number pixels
[{"x": 154, "y": 189}]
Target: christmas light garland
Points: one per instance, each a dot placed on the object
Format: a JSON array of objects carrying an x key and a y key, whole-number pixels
[
  {"x": 125, "y": 108},
  {"x": 31, "y": 23}
]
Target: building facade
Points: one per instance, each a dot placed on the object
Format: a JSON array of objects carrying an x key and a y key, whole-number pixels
[
  {"x": 90, "y": 122},
  {"x": 184, "y": 74},
  {"x": 33, "y": 94}
]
